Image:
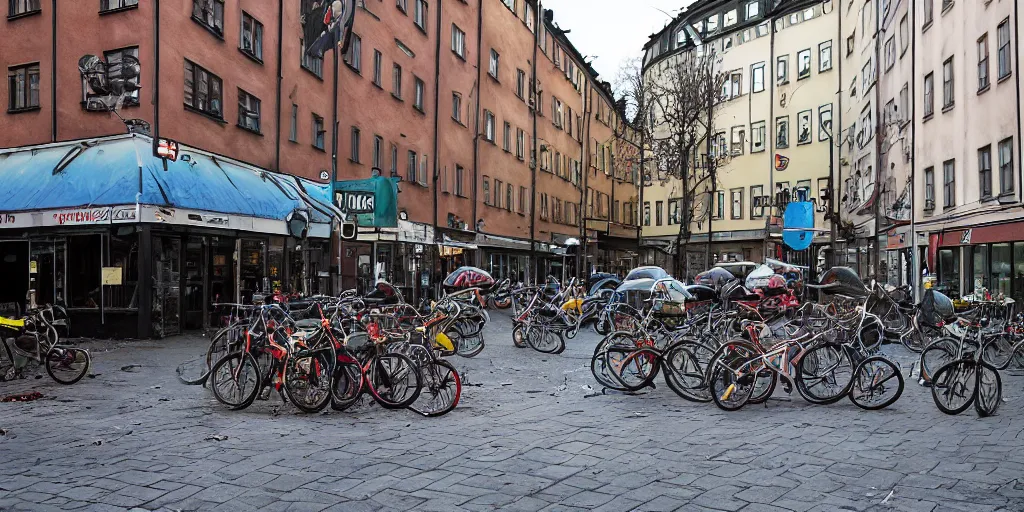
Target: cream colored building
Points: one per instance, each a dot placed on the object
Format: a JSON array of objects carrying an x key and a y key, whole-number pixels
[{"x": 780, "y": 91}]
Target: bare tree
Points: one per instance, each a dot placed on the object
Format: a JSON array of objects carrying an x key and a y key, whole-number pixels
[{"x": 680, "y": 96}]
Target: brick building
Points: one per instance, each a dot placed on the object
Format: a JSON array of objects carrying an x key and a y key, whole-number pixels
[{"x": 482, "y": 110}]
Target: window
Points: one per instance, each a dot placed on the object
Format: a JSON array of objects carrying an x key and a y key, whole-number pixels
[
  {"x": 718, "y": 210},
  {"x": 23, "y": 87},
  {"x": 418, "y": 99},
  {"x": 106, "y": 5},
  {"x": 756, "y": 201},
  {"x": 804, "y": 127},
  {"x": 947, "y": 84},
  {"x": 867, "y": 74},
  {"x": 396, "y": 81},
  {"x": 782, "y": 132},
  {"x": 377, "y": 58},
  {"x": 506, "y": 140},
  {"x": 1004, "y": 48},
  {"x": 929, "y": 94},
  {"x": 460, "y": 173},
  {"x": 738, "y": 140},
  {"x": 904, "y": 35},
  {"x": 712, "y": 24},
  {"x": 403, "y": 5},
  {"x": 929, "y": 189},
  {"x": 647, "y": 213},
  {"x": 803, "y": 59},
  {"x": 355, "y": 145},
  {"x": 752, "y": 9},
  {"x": 659, "y": 212},
  {"x": 251, "y": 42},
  {"x": 248, "y": 112},
  {"x": 757, "y": 137},
  {"x": 824, "y": 122},
  {"x": 488, "y": 126},
  {"x": 985, "y": 172},
  {"x": 849, "y": 44},
  {"x": 782, "y": 70},
  {"x": 522, "y": 197},
  {"x": 890, "y": 53},
  {"x": 508, "y": 196},
  {"x": 736, "y": 202},
  {"x": 458, "y": 42},
  {"x": 948, "y": 183},
  {"x": 825, "y": 56},
  {"x": 203, "y": 91},
  {"x": 493, "y": 68},
  {"x": 20, "y": 7},
  {"x": 529, "y": 16},
  {"x": 318, "y": 132},
  {"x": 377, "y": 143},
  {"x": 520, "y": 144},
  {"x": 394, "y": 161},
  {"x": 904, "y": 114},
  {"x": 521, "y": 84},
  {"x": 421, "y": 15},
  {"x": 757, "y": 77},
  {"x": 354, "y": 56},
  {"x": 209, "y": 13},
  {"x": 498, "y": 189},
  {"x": 293, "y": 132},
  {"x": 929, "y": 12},
  {"x": 729, "y": 19},
  {"x": 310, "y": 63},
  {"x": 1006, "y": 181},
  {"x": 983, "y": 62},
  {"x": 457, "y": 107},
  {"x": 114, "y": 59},
  {"x": 410, "y": 170}
]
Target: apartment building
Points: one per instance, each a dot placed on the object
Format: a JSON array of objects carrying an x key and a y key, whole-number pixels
[
  {"x": 967, "y": 145},
  {"x": 771, "y": 129},
  {"x": 464, "y": 120}
]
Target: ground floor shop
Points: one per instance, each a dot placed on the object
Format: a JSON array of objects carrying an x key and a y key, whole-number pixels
[{"x": 984, "y": 261}]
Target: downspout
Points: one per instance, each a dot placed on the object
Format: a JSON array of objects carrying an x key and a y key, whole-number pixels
[
  {"x": 437, "y": 101},
  {"x": 584, "y": 156},
  {"x": 1020, "y": 186},
  {"x": 476, "y": 116},
  {"x": 880, "y": 129},
  {"x": 915, "y": 264},
  {"x": 535, "y": 158},
  {"x": 53, "y": 74},
  {"x": 774, "y": 138},
  {"x": 156, "y": 82},
  {"x": 280, "y": 58},
  {"x": 334, "y": 119}
]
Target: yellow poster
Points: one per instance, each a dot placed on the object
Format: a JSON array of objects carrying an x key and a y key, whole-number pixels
[
  {"x": 33, "y": 267},
  {"x": 112, "y": 276}
]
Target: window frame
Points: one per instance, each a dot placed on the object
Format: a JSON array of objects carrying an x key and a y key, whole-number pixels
[
  {"x": 1007, "y": 187},
  {"x": 825, "y": 64},
  {"x": 355, "y": 143},
  {"x": 353, "y": 58},
  {"x": 319, "y": 135},
  {"x": 733, "y": 215},
  {"x": 26, "y": 71},
  {"x": 983, "y": 58},
  {"x": 801, "y": 75},
  {"x": 807, "y": 115},
  {"x": 985, "y": 172},
  {"x": 211, "y": 79},
  {"x": 249, "y": 97},
  {"x": 458, "y": 42},
  {"x": 929, "y": 188},
  {"x": 419, "y": 92},
  {"x": 255, "y": 38},
  {"x": 1003, "y": 73},
  {"x": 494, "y": 64},
  {"x": 949, "y": 184},
  {"x": 754, "y": 70},
  {"x": 928, "y": 92},
  {"x": 948, "y": 85},
  {"x": 782, "y": 127},
  {"x": 106, "y": 6},
  {"x": 209, "y": 21}
]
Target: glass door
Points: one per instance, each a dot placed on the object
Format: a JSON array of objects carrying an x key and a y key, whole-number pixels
[{"x": 195, "y": 281}]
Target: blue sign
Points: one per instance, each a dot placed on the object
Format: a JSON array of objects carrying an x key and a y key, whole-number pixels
[
  {"x": 798, "y": 225},
  {"x": 372, "y": 202}
]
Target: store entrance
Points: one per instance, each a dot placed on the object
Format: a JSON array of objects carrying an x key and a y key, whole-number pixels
[
  {"x": 195, "y": 281},
  {"x": 166, "y": 286},
  {"x": 14, "y": 268}
]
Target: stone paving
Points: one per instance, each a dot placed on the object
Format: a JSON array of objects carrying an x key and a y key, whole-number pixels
[{"x": 531, "y": 433}]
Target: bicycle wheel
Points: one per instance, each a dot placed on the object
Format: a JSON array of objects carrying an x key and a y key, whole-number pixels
[
  {"x": 913, "y": 340},
  {"x": 235, "y": 380},
  {"x": 599, "y": 363},
  {"x": 731, "y": 380},
  {"x": 637, "y": 369},
  {"x": 824, "y": 374},
  {"x": 603, "y": 325},
  {"x": 877, "y": 384},
  {"x": 468, "y": 345},
  {"x": 67, "y": 365},
  {"x": 442, "y": 388},
  {"x": 518, "y": 338},
  {"x": 764, "y": 386},
  {"x": 394, "y": 381},
  {"x": 545, "y": 340},
  {"x": 989, "y": 390},
  {"x": 308, "y": 378},
  {"x": 954, "y": 386},
  {"x": 685, "y": 372},
  {"x": 997, "y": 352},
  {"x": 938, "y": 354},
  {"x": 894, "y": 320}
]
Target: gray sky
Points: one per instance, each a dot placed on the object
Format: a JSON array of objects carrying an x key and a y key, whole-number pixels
[{"x": 612, "y": 30}]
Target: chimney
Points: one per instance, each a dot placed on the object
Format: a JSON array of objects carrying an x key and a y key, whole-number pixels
[{"x": 549, "y": 16}]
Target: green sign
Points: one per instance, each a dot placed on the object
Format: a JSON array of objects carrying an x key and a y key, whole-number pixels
[{"x": 373, "y": 202}]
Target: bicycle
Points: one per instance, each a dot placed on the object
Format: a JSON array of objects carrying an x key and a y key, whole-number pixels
[{"x": 36, "y": 339}]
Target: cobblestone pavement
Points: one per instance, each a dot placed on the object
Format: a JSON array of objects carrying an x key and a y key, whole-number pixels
[{"x": 530, "y": 434}]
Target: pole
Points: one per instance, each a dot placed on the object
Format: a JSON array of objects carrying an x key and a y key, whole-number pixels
[
  {"x": 914, "y": 258},
  {"x": 534, "y": 159},
  {"x": 277, "y": 109},
  {"x": 156, "y": 88},
  {"x": 833, "y": 219},
  {"x": 53, "y": 75}
]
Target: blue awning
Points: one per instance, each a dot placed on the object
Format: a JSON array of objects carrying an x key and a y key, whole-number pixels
[{"x": 110, "y": 172}]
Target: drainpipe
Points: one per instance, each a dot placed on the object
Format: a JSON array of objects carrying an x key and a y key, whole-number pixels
[
  {"x": 535, "y": 158},
  {"x": 582, "y": 253},
  {"x": 156, "y": 86},
  {"x": 334, "y": 119},
  {"x": 880, "y": 129},
  {"x": 280, "y": 58},
  {"x": 437, "y": 100},
  {"x": 476, "y": 115},
  {"x": 1020, "y": 186},
  {"x": 53, "y": 75},
  {"x": 772, "y": 62},
  {"x": 915, "y": 265}
]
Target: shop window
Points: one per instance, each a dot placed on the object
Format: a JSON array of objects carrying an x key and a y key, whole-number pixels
[
  {"x": 979, "y": 257},
  {"x": 949, "y": 271},
  {"x": 122, "y": 252},
  {"x": 84, "y": 271},
  {"x": 1018, "y": 271},
  {"x": 1000, "y": 275}
]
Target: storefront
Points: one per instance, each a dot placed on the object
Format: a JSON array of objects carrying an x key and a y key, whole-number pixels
[
  {"x": 154, "y": 251},
  {"x": 986, "y": 261}
]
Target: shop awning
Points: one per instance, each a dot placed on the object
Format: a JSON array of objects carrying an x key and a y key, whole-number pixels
[
  {"x": 501, "y": 242},
  {"x": 118, "y": 180}
]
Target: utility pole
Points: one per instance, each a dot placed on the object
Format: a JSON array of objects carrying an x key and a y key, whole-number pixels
[{"x": 714, "y": 183}]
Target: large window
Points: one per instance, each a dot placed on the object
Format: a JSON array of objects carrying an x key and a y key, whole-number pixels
[
  {"x": 985, "y": 172},
  {"x": 949, "y": 270},
  {"x": 1004, "y": 48},
  {"x": 251, "y": 42},
  {"x": 248, "y": 111},
  {"x": 114, "y": 59},
  {"x": 983, "y": 62},
  {"x": 20, "y": 7},
  {"x": 203, "y": 90},
  {"x": 23, "y": 87},
  {"x": 947, "y": 84},
  {"x": 209, "y": 13},
  {"x": 949, "y": 183},
  {"x": 1006, "y": 181}
]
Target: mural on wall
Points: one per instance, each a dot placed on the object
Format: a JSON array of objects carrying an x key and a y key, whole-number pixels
[{"x": 328, "y": 24}]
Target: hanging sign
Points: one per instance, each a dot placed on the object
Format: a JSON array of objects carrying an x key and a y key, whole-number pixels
[{"x": 112, "y": 276}]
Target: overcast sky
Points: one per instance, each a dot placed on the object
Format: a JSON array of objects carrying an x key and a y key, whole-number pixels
[{"x": 612, "y": 30}]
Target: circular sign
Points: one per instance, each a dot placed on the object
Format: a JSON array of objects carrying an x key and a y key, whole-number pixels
[{"x": 324, "y": 175}]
